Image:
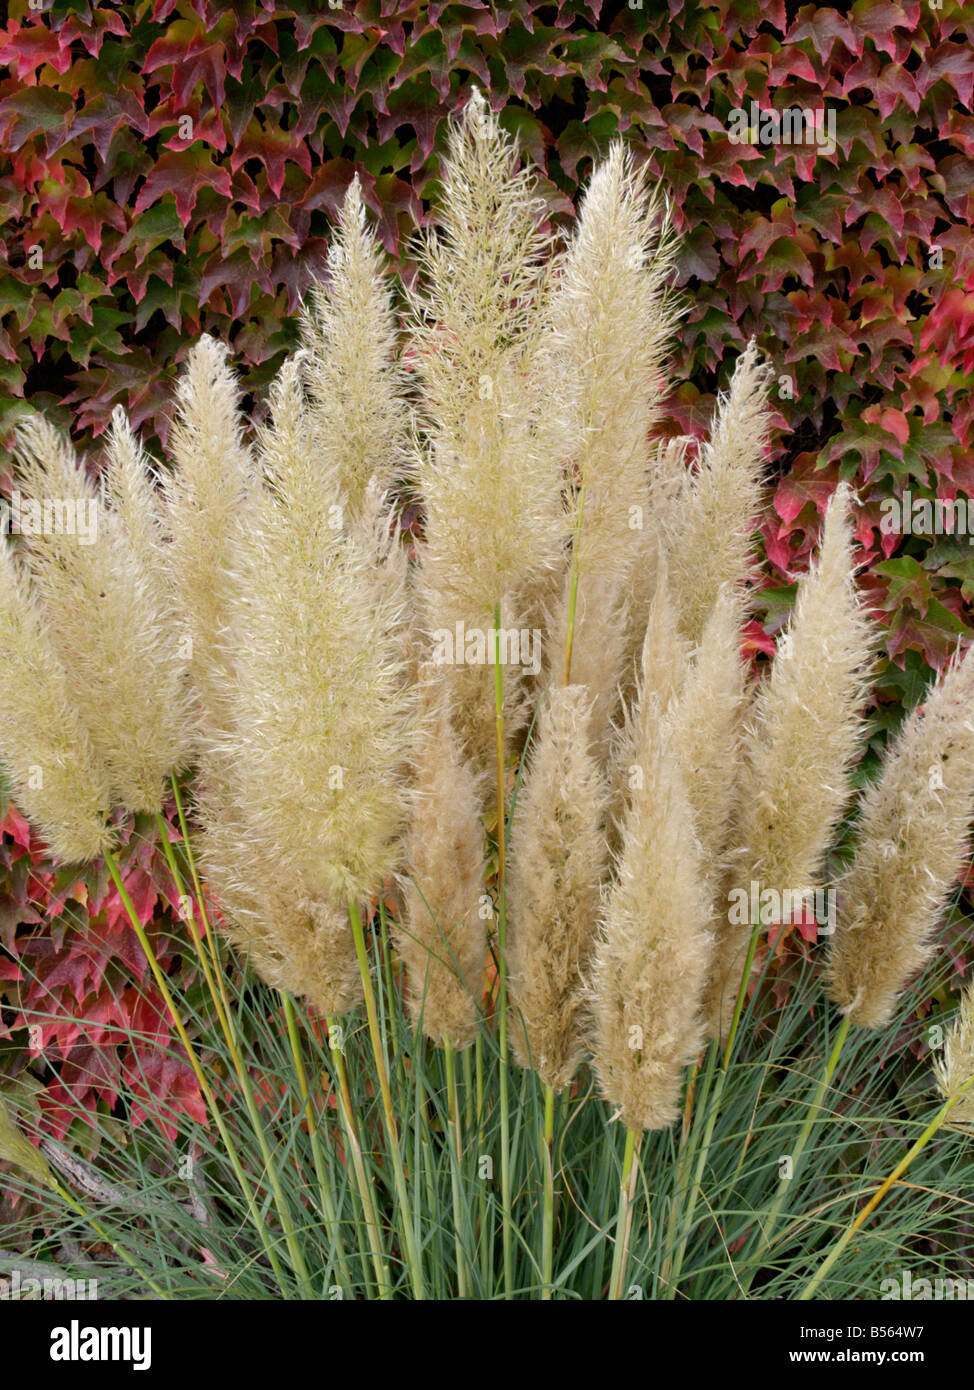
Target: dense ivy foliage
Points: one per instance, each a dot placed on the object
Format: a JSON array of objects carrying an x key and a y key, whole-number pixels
[{"x": 173, "y": 166}]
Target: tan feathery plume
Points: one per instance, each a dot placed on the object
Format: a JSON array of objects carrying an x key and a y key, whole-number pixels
[
  {"x": 956, "y": 1067},
  {"x": 712, "y": 543},
  {"x": 294, "y": 943},
  {"x": 911, "y": 848},
  {"x": 109, "y": 610},
  {"x": 664, "y": 665},
  {"x": 442, "y": 938},
  {"x": 206, "y": 495},
  {"x": 491, "y": 492},
  {"x": 317, "y": 714},
  {"x": 136, "y": 524},
  {"x": 703, "y": 693},
  {"x": 610, "y": 317},
  {"x": 654, "y": 953},
  {"x": 355, "y": 380},
  {"x": 598, "y": 645},
  {"x": 708, "y": 726},
  {"x": 557, "y": 861},
  {"x": 661, "y": 520},
  {"x": 802, "y": 741},
  {"x": 56, "y": 779}
]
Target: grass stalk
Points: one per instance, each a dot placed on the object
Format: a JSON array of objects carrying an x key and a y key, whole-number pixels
[
  {"x": 223, "y": 1013},
  {"x": 376, "y": 1245},
  {"x": 103, "y": 1235},
  {"x": 218, "y": 995},
  {"x": 502, "y": 1039},
  {"x": 210, "y": 934},
  {"x": 548, "y": 1196},
  {"x": 714, "y": 1109},
  {"x": 812, "y": 1114},
  {"x": 486, "y": 1245},
  {"x": 324, "y": 1188},
  {"x": 456, "y": 1166},
  {"x": 163, "y": 987},
  {"x": 411, "y": 1249},
  {"x": 881, "y": 1191},
  {"x": 627, "y": 1196}
]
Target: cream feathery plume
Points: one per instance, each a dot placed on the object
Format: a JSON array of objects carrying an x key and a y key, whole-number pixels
[
  {"x": 351, "y": 364},
  {"x": 611, "y": 317},
  {"x": 300, "y": 477},
  {"x": 708, "y": 726},
  {"x": 109, "y": 610},
  {"x": 206, "y": 494},
  {"x": 955, "y": 1067},
  {"x": 911, "y": 847},
  {"x": 56, "y": 778},
  {"x": 318, "y": 716},
  {"x": 713, "y": 545},
  {"x": 294, "y": 943},
  {"x": 664, "y": 665},
  {"x": 136, "y": 523},
  {"x": 491, "y": 492},
  {"x": 481, "y": 274},
  {"x": 803, "y": 738},
  {"x": 557, "y": 860},
  {"x": 663, "y": 518},
  {"x": 442, "y": 938},
  {"x": 598, "y": 632},
  {"x": 375, "y": 529},
  {"x": 652, "y": 960},
  {"x": 469, "y": 666},
  {"x": 130, "y": 479},
  {"x": 703, "y": 693}
]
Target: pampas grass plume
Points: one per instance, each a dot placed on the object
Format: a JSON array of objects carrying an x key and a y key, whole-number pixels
[
  {"x": 491, "y": 492},
  {"x": 711, "y": 543},
  {"x": 317, "y": 716},
  {"x": 558, "y": 857},
  {"x": 206, "y": 494},
  {"x": 803, "y": 739},
  {"x": 294, "y": 943},
  {"x": 492, "y": 498},
  {"x": 107, "y": 609},
  {"x": 355, "y": 381},
  {"x": 955, "y": 1067},
  {"x": 708, "y": 725},
  {"x": 910, "y": 851},
  {"x": 442, "y": 938},
  {"x": 610, "y": 317},
  {"x": 653, "y": 955},
  {"x": 56, "y": 778}
]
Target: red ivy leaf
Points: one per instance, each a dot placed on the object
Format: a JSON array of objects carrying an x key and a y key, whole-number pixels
[{"x": 183, "y": 173}]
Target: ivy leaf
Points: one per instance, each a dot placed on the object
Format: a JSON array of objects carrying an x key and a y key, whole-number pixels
[
  {"x": 183, "y": 173},
  {"x": 32, "y": 111}
]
